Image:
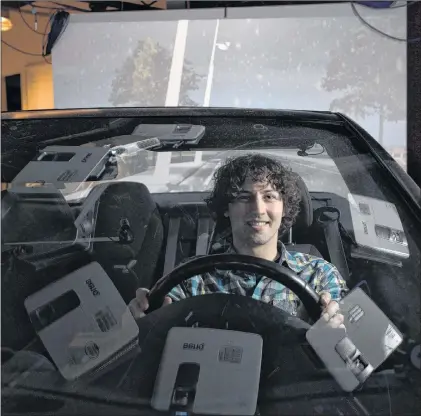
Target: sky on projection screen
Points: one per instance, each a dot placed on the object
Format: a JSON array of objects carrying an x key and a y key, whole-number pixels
[{"x": 314, "y": 63}]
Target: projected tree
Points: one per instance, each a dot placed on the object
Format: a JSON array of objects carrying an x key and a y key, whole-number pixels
[
  {"x": 143, "y": 78},
  {"x": 373, "y": 82}
]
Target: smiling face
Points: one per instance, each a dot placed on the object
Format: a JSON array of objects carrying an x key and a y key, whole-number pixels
[{"x": 255, "y": 215}]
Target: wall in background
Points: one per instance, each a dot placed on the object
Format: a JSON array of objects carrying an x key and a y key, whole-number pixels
[
  {"x": 38, "y": 84},
  {"x": 14, "y": 62},
  {"x": 24, "y": 37}
]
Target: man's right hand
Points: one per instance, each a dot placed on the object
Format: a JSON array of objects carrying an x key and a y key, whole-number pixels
[{"x": 139, "y": 305}]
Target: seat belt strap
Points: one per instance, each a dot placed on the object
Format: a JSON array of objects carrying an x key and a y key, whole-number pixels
[
  {"x": 203, "y": 236},
  {"x": 328, "y": 218},
  {"x": 172, "y": 240}
]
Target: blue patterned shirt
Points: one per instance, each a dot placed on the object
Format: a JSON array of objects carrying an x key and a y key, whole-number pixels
[{"x": 321, "y": 275}]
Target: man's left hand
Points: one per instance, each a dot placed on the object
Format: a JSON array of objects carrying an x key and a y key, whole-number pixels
[{"x": 330, "y": 311}]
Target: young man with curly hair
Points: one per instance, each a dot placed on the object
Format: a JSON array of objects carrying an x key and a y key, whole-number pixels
[{"x": 255, "y": 199}]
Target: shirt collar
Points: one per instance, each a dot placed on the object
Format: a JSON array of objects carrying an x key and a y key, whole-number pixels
[
  {"x": 289, "y": 259},
  {"x": 286, "y": 257}
]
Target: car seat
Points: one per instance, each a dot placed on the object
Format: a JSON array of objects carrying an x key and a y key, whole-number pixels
[
  {"x": 129, "y": 237},
  {"x": 130, "y": 262}
]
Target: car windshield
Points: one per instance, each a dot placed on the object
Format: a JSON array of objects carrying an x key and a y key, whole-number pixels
[
  {"x": 138, "y": 274},
  {"x": 44, "y": 219}
]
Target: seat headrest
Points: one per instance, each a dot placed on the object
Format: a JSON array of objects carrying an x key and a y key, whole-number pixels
[{"x": 305, "y": 217}]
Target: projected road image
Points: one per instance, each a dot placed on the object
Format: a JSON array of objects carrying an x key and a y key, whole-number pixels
[{"x": 252, "y": 63}]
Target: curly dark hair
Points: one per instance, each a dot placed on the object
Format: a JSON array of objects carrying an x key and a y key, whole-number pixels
[{"x": 229, "y": 178}]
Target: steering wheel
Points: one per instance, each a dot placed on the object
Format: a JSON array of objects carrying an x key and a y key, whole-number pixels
[
  {"x": 204, "y": 264},
  {"x": 284, "y": 345}
]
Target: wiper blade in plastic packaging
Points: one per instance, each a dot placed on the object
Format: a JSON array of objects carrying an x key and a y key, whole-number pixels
[{"x": 171, "y": 134}]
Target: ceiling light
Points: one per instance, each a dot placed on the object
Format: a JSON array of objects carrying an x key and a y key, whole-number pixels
[{"x": 6, "y": 23}]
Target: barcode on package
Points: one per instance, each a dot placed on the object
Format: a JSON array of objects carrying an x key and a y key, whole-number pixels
[
  {"x": 231, "y": 354},
  {"x": 105, "y": 320},
  {"x": 364, "y": 208},
  {"x": 392, "y": 339}
]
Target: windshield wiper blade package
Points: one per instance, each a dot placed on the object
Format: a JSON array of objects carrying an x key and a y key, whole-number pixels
[
  {"x": 209, "y": 371},
  {"x": 378, "y": 227},
  {"x": 352, "y": 354},
  {"x": 83, "y": 322},
  {"x": 68, "y": 167},
  {"x": 171, "y": 134},
  {"x": 126, "y": 143}
]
